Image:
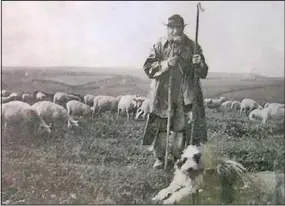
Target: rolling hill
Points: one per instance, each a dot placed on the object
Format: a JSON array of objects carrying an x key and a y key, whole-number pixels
[{"x": 115, "y": 82}]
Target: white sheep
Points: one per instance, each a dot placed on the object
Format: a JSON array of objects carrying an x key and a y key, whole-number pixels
[
  {"x": 143, "y": 110},
  {"x": 28, "y": 98},
  {"x": 76, "y": 108},
  {"x": 41, "y": 96},
  {"x": 54, "y": 114},
  {"x": 215, "y": 103},
  {"x": 207, "y": 100},
  {"x": 103, "y": 103},
  {"x": 21, "y": 115},
  {"x": 12, "y": 97},
  {"x": 62, "y": 98},
  {"x": 5, "y": 93},
  {"x": 274, "y": 105},
  {"x": 129, "y": 104},
  {"x": 89, "y": 99},
  {"x": 226, "y": 105},
  {"x": 267, "y": 114},
  {"x": 235, "y": 106},
  {"x": 258, "y": 114},
  {"x": 247, "y": 105}
]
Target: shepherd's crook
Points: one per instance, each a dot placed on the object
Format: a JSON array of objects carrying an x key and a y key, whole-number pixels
[
  {"x": 196, "y": 79},
  {"x": 195, "y": 195}
]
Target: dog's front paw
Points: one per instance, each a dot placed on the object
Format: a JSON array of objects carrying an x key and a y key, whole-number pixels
[
  {"x": 169, "y": 201},
  {"x": 163, "y": 194}
]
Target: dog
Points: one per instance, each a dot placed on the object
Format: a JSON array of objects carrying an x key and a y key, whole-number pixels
[{"x": 188, "y": 176}]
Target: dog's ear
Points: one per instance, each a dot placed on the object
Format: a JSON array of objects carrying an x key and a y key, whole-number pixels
[{"x": 180, "y": 162}]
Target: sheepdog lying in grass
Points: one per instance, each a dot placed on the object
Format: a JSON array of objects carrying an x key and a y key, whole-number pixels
[{"x": 188, "y": 176}]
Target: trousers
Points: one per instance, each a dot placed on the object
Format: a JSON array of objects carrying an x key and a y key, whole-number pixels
[{"x": 180, "y": 133}]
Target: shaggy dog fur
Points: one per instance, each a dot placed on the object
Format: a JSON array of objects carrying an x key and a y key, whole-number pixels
[{"x": 187, "y": 177}]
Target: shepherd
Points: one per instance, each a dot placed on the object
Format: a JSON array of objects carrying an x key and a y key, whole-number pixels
[{"x": 176, "y": 98}]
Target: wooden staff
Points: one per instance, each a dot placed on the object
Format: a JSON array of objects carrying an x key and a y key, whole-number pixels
[
  {"x": 196, "y": 79},
  {"x": 168, "y": 112}
]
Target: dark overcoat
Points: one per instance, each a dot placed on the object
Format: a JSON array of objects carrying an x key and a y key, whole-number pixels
[{"x": 155, "y": 68}]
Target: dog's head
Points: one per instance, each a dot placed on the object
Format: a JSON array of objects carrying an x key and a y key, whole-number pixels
[{"x": 191, "y": 162}]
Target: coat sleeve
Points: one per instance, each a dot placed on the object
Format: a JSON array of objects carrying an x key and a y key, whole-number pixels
[
  {"x": 202, "y": 72},
  {"x": 154, "y": 66}
]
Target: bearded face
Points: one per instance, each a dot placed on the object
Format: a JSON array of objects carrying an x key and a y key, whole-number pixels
[{"x": 175, "y": 33}]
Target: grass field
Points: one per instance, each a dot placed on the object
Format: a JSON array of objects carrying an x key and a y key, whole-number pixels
[{"x": 103, "y": 162}]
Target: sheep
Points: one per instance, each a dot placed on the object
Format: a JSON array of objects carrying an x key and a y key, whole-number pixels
[
  {"x": 5, "y": 93},
  {"x": 207, "y": 100},
  {"x": 129, "y": 104},
  {"x": 62, "y": 98},
  {"x": 143, "y": 110},
  {"x": 226, "y": 105},
  {"x": 40, "y": 96},
  {"x": 28, "y": 98},
  {"x": 88, "y": 99},
  {"x": 248, "y": 105},
  {"x": 274, "y": 105},
  {"x": 215, "y": 103},
  {"x": 54, "y": 113},
  {"x": 103, "y": 103},
  {"x": 235, "y": 106},
  {"x": 76, "y": 108},
  {"x": 258, "y": 114},
  {"x": 267, "y": 114},
  {"x": 12, "y": 97},
  {"x": 23, "y": 116}
]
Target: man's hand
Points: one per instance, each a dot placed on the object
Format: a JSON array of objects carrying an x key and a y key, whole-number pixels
[
  {"x": 196, "y": 59},
  {"x": 172, "y": 61}
]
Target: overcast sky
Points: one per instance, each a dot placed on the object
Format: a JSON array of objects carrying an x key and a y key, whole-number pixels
[{"x": 235, "y": 36}]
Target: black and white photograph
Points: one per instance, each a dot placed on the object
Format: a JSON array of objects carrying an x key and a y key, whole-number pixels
[{"x": 142, "y": 102}]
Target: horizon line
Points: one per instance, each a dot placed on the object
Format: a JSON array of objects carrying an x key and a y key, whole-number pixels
[{"x": 128, "y": 67}]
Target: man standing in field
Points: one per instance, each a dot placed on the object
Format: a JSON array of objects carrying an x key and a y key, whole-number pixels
[{"x": 177, "y": 53}]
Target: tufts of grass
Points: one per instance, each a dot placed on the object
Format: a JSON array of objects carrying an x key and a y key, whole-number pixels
[{"x": 103, "y": 162}]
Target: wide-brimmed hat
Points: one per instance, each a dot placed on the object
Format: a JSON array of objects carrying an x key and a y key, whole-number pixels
[{"x": 175, "y": 20}]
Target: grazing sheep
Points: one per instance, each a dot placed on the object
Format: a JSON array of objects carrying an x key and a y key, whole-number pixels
[
  {"x": 89, "y": 99},
  {"x": 28, "y": 98},
  {"x": 143, "y": 110},
  {"x": 258, "y": 114},
  {"x": 275, "y": 113},
  {"x": 248, "y": 105},
  {"x": 21, "y": 115},
  {"x": 76, "y": 108},
  {"x": 273, "y": 105},
  {"x": 54, "y": 114},
  {"x": 235, "y": 106},
  {"x": 207, "y": 100},
  {"x": 267, "y": 114},
  {"x": 129, "y": 104},
  {"x": 12, "y": 97},
  {"x": 80, "y": 96},
  {"x": 226, "y": 105},
  {"x": 104, "y": 103},
  {"x": 62, "y": 98},
  {"x": 5, "y": 93},
  {"x": 215, "y": 103},
  {"x": 40, "y": 96}
]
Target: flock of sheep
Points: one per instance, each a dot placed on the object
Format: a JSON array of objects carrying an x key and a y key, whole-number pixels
[
  {"x": 40, "y": 112},
  {"x": 254, "y": 111},
  {"x": 43, "y": 112}
]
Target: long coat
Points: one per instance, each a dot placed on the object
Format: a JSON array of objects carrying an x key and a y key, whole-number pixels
[{"x": 156, "y": 69}]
